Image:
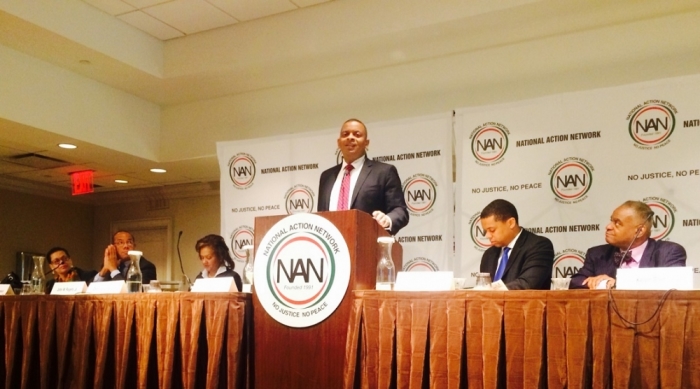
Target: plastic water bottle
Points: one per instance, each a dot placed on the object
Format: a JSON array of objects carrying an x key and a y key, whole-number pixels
[{"x": 386, "y": 272}]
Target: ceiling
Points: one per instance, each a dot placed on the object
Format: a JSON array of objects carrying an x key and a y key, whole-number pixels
[
  {"x": 168, "y": 19},
  {"x": 163, "y": 81}
]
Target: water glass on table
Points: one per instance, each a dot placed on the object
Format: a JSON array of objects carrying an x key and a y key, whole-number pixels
[
  {"x": 154, "y": 287},
  {"x": 560, "y": 283},
  {"x": 483, "y": 281}
]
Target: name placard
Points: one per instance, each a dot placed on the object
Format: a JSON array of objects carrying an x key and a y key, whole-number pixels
[
  {"x": 424, "y": 281},
  {"x": 220, "y": 284},
  {"x": 69, "y": 288},
  {"x": 107, "y": 287},
  {"x": 655, "y": 278},
  {"x": 6, "y": 290}
]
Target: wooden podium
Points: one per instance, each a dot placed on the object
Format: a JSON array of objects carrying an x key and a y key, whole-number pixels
[{"x": 313, "y": 357}]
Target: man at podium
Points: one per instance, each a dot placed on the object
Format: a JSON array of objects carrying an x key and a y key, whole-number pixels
[
  {"x": 628, "y": 246},
  {"x": 361, "y": 183}
]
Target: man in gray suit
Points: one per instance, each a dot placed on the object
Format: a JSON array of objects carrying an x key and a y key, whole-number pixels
[{"x": 628, "y": 232}]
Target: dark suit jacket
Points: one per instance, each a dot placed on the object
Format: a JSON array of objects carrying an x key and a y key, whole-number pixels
[
  {"x": 148, "y": 270},
  {"x": 83, "y": 275},
  {"x": 228, "y": 273},
  {"x": 529, "y": 263},
  {"x": 378, "y": 188},
  {"x": 599, "y": 260}
]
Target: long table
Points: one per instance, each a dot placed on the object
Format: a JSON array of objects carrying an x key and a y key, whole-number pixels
[
  {"x": 150, "y": 340},
  {"x": 524, "y": 339}
]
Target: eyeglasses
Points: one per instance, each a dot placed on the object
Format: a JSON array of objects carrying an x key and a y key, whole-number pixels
[
  {"x": 124, "y": 243},
  {"x": 56, "y": 261}
]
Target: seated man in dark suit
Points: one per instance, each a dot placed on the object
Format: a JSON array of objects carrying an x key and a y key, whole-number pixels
[
  {"x": 519, "y": 258},
  {"x": 627, "y": 233},
  {"x": 116, "y": 260},
  {"x": 361, "y": 183},
  {"x": 63, "y": 269}
]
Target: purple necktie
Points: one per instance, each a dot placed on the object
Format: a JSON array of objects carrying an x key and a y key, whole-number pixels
[
  {"x": 617, "y": 258},
  {"x": 345, "y": 189}
]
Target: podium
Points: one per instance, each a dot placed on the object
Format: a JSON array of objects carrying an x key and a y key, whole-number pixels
[{"x": 313, "y": 357}]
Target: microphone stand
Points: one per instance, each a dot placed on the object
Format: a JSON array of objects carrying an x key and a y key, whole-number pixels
[
  {"x": 182, "y": 268},
  {"x": 54, "y": 268}
]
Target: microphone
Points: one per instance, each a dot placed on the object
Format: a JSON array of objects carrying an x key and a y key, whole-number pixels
[
  {"x": 56, "y": 267},
  {"x": 636, "y": 235},
  {"x": 182, "y": 268}
]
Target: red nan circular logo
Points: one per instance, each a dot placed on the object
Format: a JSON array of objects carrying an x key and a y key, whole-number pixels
[
  {"x": 241, "y": 169},
  {"x": 489, "y": 143},
  {"x": 241, "y": 237},
  {"x": 302, "y": 270},
  {"x": 420, "y": 193},
  {"x": 571, "y": 179},
  {"x": 664, "y": 218},
  {"x": 652, "y": 124}
]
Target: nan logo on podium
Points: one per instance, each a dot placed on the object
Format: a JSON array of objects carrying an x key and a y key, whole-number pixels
[{"x": 302, "y": 270}]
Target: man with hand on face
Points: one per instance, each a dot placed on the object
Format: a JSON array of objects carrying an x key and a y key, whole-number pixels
[
  {"x": 519, "y": 258},
  {"x": 63, "y": 269},
  {"x": 116, "y": 260},
  {"x": 361, "y": 183},
  {"x": 627, "y": 233}
]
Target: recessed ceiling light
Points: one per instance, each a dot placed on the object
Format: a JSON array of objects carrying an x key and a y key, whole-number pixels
[
  {"x": 67, "y": 146},
  {"x": 158, "y": 170},
  {"x": 121, "y": 181}
]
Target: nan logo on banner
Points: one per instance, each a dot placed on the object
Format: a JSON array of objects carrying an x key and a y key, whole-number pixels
[
  {"x": 477, "y": 233},
  {"x": 651, "y": 124},
  {"x": 489, "y": 143},
  {"x": 420, "y": 193},
  {"x": 571, "y": 179},
  {"x": 241, "y": 169},
  {"x": 567, "y": 263},
  {"x": 664, "y": 218},
  {"x": 302, "y": 270},
  {"x": 241, "y": 237},
  {"x": 299, "y": 199},
  {"x": 420, "y": 264}
]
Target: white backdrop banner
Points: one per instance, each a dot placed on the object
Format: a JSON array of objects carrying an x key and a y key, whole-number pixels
[
  {"x": 567, "y": 161},
  {"x": 280, "y": 175}
]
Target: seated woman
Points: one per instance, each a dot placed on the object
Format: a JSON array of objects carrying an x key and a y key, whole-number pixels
[
  {"x": 216, "y": 260},
  {"x": 63, "y": 270}
]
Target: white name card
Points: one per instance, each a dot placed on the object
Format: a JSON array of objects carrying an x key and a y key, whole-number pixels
[
  {"x": 69, "y": 288},
  {"x": 655, "y": 278},
  {"x": 107, "y": 287},
  {"x": 217, "y": 284},
  {"x": 6, "y": 290},
  {"x": 424, "y": 281}
]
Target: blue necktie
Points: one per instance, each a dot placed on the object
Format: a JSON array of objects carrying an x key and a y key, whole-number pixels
[{"x": 502, "y": 265}]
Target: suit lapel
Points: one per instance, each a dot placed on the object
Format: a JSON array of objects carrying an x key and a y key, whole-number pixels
[
  {"x": 364, "y": 173},
  {"x": 328, "y": 186},
  {"x": 648, "y": 251},
  {"x": 515, "y": 253}
]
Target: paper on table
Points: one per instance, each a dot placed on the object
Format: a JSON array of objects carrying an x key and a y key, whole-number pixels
[{"x": 498, "y": 285}]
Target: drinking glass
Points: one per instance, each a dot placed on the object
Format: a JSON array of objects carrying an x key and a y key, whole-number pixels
[
  {"x": 560, "y": 283},
  {"x": 483, "y": 281},
  {"x": 27, "y": 289},
  {"x": 154, "y": 287}
]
